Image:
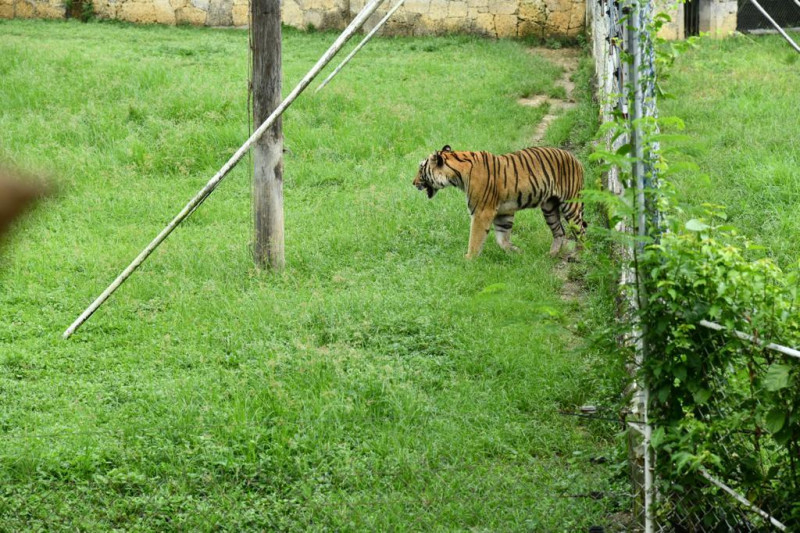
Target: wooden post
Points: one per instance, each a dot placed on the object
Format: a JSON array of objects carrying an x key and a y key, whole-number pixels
[{"x": 265, "y": 28}]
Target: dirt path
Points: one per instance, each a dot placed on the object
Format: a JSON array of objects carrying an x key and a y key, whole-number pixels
[{"x": 566, "y": 58}]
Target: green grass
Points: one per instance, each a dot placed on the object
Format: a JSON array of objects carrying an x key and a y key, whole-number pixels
[
  {"x": 738, "y": 99},
  {"x": 380, "y": 382}
]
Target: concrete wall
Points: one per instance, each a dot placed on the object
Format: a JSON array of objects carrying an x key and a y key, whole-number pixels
[
  {"x": 494, "y": 18},
  {"x": 718, "y": 17}
]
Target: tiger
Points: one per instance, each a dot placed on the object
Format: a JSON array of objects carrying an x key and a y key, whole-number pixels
[{"x": 497, "y": 186}]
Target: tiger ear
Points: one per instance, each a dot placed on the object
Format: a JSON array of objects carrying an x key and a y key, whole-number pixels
[{"x": 446, "y": 148}]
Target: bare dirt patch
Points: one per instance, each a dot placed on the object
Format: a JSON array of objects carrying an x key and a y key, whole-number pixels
[{"x": 571, "y": 290}]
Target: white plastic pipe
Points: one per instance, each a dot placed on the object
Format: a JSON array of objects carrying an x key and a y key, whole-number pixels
[
  {"x": 361, "y": 45},
  {"x": 741, "y": 499},
  {"x": 198, "y": 199},
  {"x": 785, "y": 350},
  {"x": 777, "y": 27}
]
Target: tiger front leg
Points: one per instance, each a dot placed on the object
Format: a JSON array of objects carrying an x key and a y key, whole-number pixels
[
  {"x": 502, "y": 232},
  {"x": 479, "y": 228}
]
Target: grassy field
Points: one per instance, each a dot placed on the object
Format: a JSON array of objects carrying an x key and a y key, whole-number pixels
[
  {"x": 380, "y": 382},
  {"x": 738, "y": 99}
]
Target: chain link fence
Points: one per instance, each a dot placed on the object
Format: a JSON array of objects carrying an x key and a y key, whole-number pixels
[
  {"x": 738, "y": 467},
  {"x": 747, "y": 464}
]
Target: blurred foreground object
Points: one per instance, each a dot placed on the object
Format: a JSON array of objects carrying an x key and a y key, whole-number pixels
[{"x": 17, "y": 195}]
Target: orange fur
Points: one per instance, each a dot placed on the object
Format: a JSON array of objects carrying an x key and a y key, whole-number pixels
[{"x": 497, "y": 186}]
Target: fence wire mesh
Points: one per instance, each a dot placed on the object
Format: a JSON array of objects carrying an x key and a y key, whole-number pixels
[
  {"x": 786, "y": 13},
  {"x": 747, "y": 457},
  {"x": 741, "y": 483}
]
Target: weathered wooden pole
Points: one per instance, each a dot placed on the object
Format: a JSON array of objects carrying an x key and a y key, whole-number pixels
[{"x": 265, "y": 29}]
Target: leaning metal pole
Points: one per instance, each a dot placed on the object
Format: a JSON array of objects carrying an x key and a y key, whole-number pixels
[
  {"x": 204, "y": 193},
  {"x": 777, "y": 26},
  {"x": 364, "y": 41}
]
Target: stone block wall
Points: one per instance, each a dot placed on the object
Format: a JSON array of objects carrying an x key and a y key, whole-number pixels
[
  {"x": 30, "y": 9},
  {"x": 673, "y": 30},
  {"x": 494, "y": 18},
  {"x": 194, "y": 12}
]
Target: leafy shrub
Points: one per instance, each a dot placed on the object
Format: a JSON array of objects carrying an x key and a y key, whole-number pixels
[{"x": 723, "y": 403}]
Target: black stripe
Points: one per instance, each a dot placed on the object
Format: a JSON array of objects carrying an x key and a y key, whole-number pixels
[
  {"x": 548, "y": 179},
  {"x": 513, "y": 158},
  {"x": 532, "y": 177}
]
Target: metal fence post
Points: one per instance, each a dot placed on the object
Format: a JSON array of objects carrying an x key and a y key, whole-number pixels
[{"x": 635, "y": 90}]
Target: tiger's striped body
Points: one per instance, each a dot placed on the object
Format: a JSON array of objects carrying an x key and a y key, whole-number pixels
[{"x": 497, "y": 186}]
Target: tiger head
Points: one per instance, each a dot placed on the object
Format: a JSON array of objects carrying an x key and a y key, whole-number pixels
[{"x": 433, "y": 173}]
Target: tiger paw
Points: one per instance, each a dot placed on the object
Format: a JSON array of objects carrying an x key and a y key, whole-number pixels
[{"x": 555, "y": 249}]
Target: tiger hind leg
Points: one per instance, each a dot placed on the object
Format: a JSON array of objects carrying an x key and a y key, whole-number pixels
[
  {"x": 502, "y": 232},
  {"x": 552, "y": 215},
  {"x": 573, "y": 213}
]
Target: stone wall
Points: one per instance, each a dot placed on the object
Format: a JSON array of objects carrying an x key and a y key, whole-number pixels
[
  {"x": 30, "y": 9},
  {"x": 194, "y": 12},
  {"x": 672, "y": 30},
  {"x": 494, "y": 18}
]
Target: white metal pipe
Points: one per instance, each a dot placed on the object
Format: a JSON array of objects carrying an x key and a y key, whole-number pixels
[
  {"x": 777, "y": 27},
  {"x": 365, "y": 13},
  {"x": 635, "y": 49},
  {"x": 741, "y": 499},
  {"x": 791, "y": 352},
  {"x": 360, "y": 45}
]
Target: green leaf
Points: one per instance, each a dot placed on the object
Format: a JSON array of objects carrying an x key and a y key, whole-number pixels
[
  {"x": 696, "y": 225},
  {"x": 663, "y": 393},
  {"x": 701, "y": 396},
  {"x": 658, "y": 437},
  {"x": 775, "y": 420},
  {"x": 777, "y": 377},
  {"x": 783, "y": 437}
]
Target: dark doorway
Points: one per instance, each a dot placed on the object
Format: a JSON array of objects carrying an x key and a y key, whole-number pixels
[
  {"x": 691, "y": 18},
  {"x": 785, "y": 12}
]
